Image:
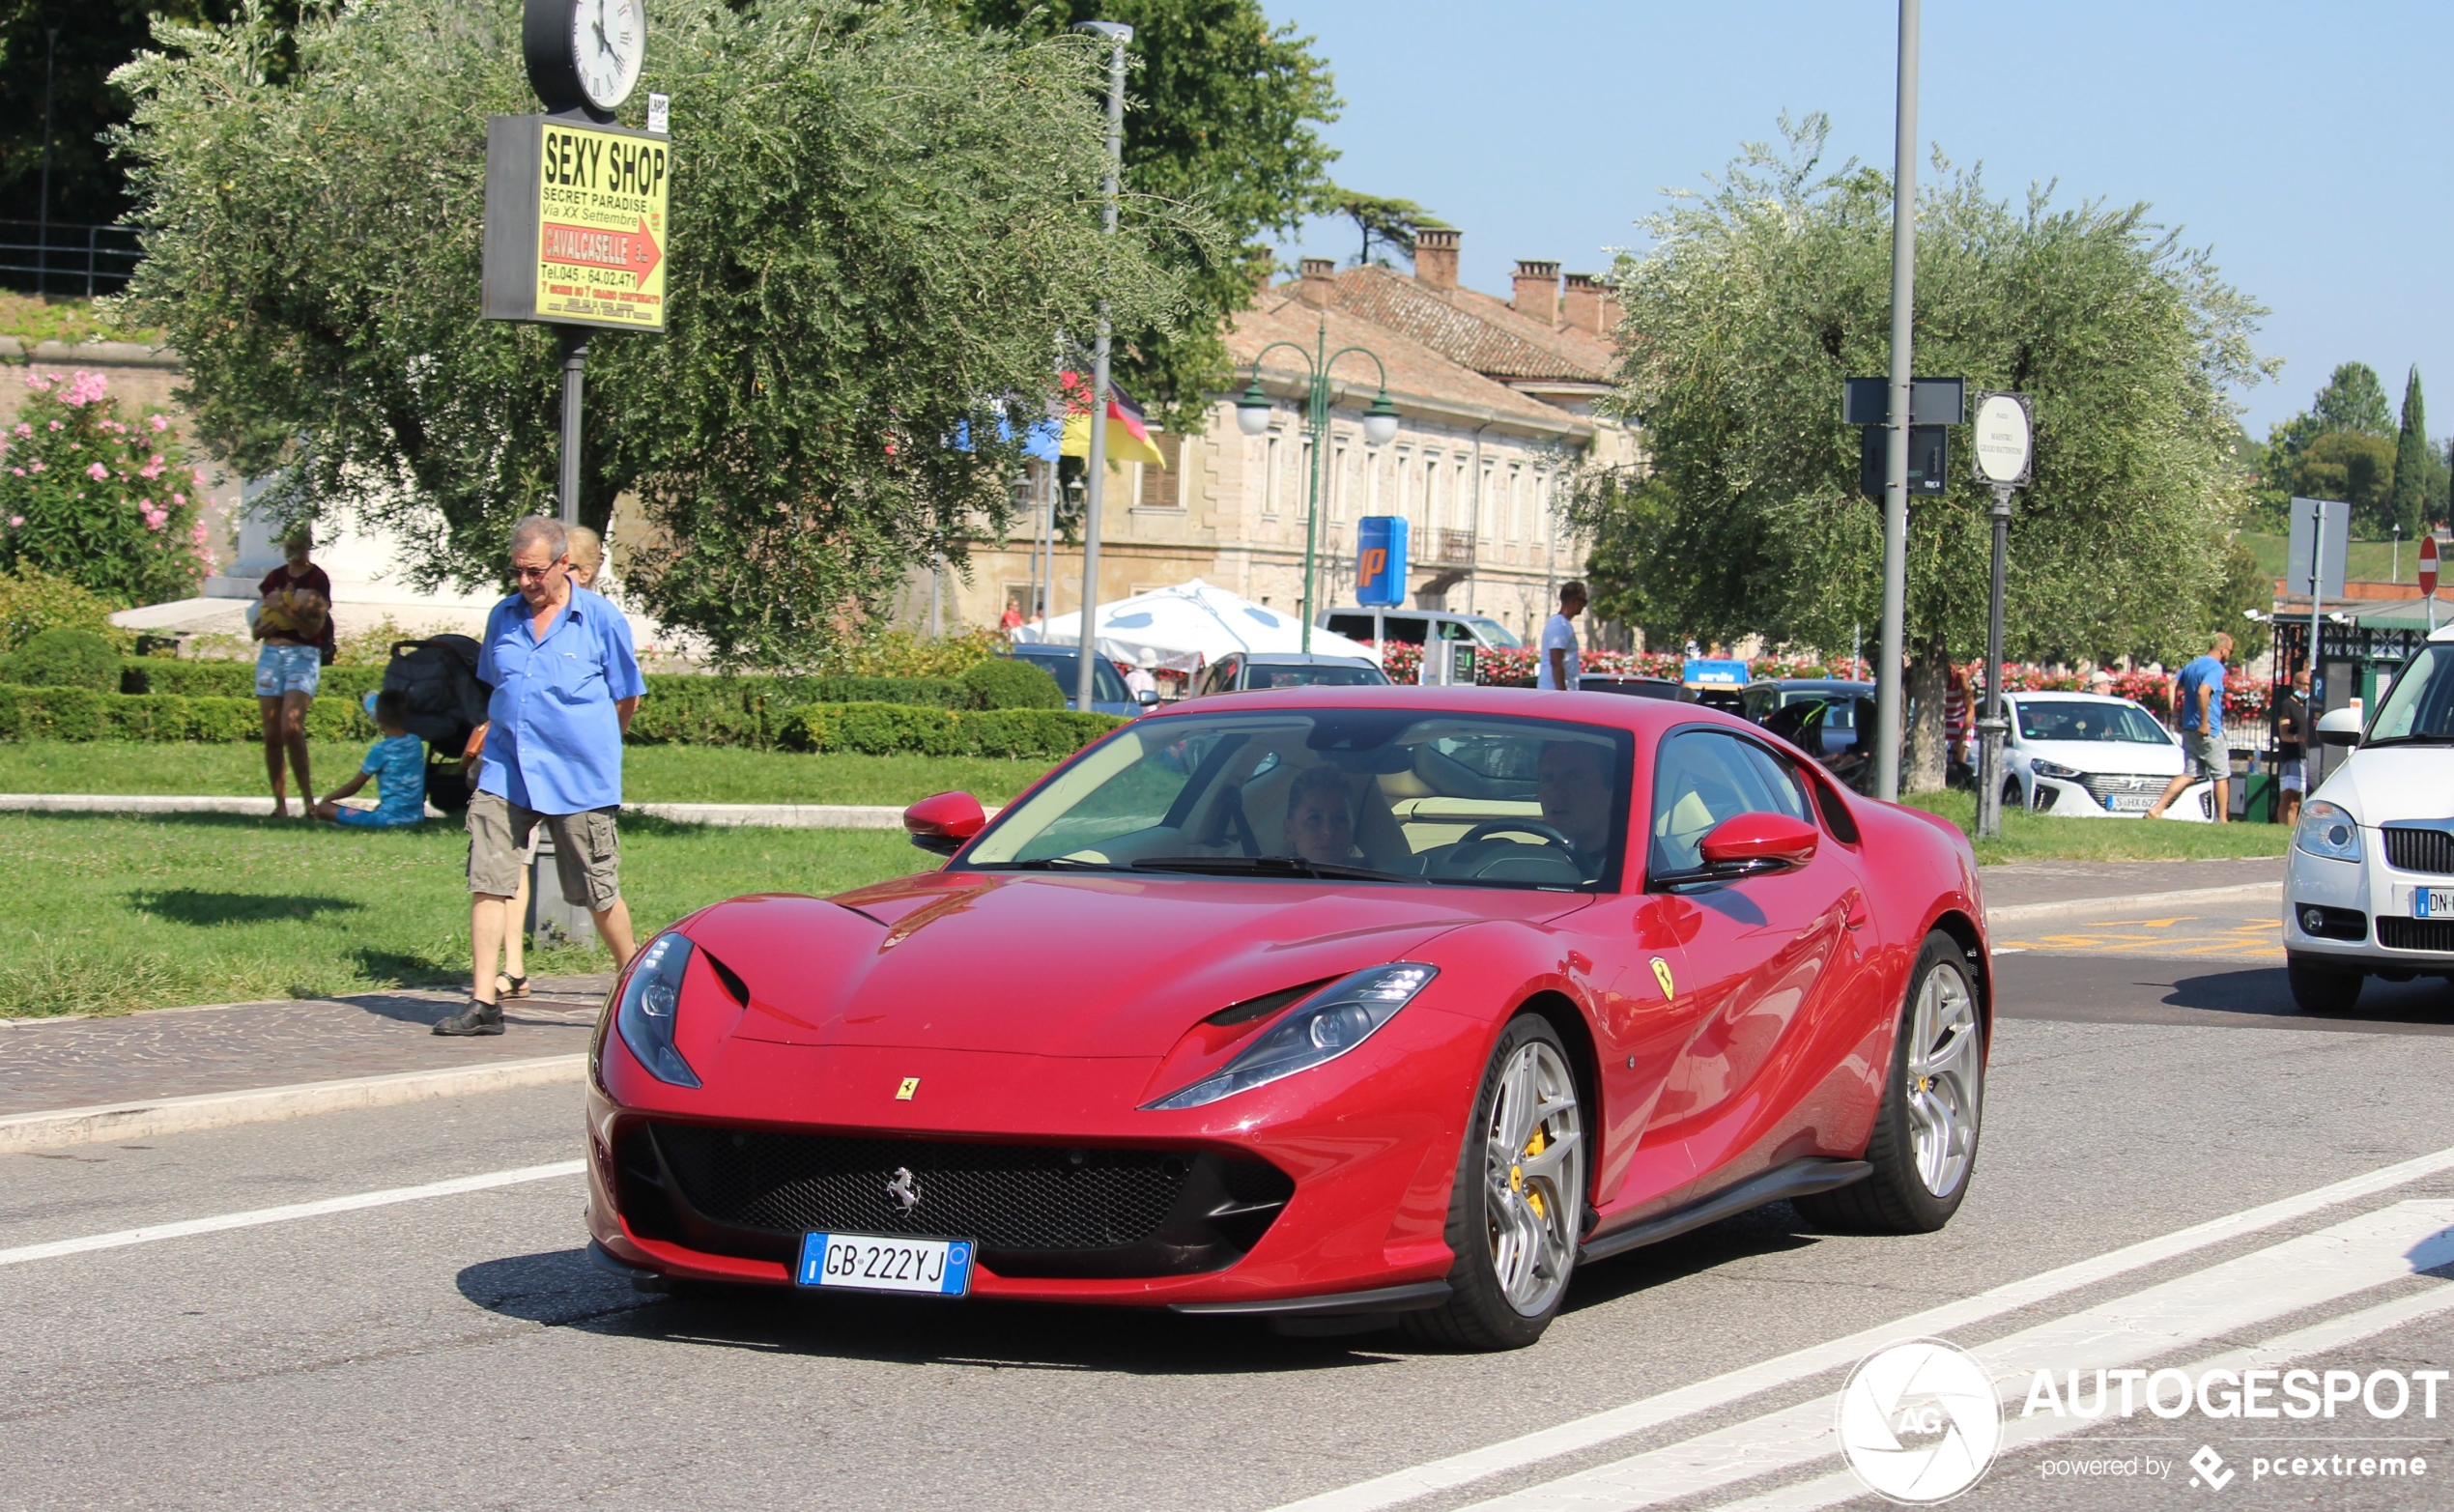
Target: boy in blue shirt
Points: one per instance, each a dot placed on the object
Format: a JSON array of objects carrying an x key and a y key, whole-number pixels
[{"x": 398, "y": 764}]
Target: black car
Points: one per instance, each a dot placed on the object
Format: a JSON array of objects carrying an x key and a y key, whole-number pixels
[{"x": 1635, "y": 686}]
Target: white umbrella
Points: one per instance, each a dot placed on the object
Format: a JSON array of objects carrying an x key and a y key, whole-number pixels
[{"x": 1189, "y": 626}]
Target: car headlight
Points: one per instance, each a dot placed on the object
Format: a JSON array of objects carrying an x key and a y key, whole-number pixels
[
  {"x": 2328, "y": 830},
  {"x": 2056, "y": 770},
  {"x": 651, "y": 1003},
  {"x": 1321, "y": 1028}
]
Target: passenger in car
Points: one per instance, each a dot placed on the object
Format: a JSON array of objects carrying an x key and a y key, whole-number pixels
[
  {"x": 1572, "y": 782},
  {"x": 1321, "y": 818}
]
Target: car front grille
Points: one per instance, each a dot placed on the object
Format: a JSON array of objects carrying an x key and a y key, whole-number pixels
[
  {"x": 2415, "y": 935},
  {"x": 1045, "y": 1209},
  {"x": 2409, "y": 848},
  {"x": 2103, "y": 786}
]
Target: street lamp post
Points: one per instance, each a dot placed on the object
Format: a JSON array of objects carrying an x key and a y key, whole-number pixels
[
  {"x": 1118, "y": 35},
  {"x": 1379, "y": 427}
]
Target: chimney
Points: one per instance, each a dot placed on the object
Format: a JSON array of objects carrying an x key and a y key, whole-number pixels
[
  {"x": 1591, "y": 306},
  {"x": 1436, "y": 258},
  {"x": 1320, "y": 281},
  {"x": 1537, "y": 291}
]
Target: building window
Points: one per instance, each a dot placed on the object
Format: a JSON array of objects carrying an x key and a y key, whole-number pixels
[
  {"x": 1302, "y": 492},
  {"x": 1163, "y": 483},
  {"x": 1516, "y": 502},
  {"x": 1270, "y": 478},
  {"x": 1337, "y": 481}
]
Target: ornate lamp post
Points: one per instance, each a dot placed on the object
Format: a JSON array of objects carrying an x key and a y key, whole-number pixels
[{"x": 1379, "y": 426}]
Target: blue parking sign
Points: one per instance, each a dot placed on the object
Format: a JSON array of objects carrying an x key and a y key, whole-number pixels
[{"x": 1380, "y": 561}]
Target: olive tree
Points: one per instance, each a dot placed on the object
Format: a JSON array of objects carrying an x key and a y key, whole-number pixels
[
  {"x": 883, "y": 225},
  {"x": 1759, "y": 298}
]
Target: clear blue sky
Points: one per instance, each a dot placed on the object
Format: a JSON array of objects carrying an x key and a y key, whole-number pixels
[{"x": 2306, "y": 144}]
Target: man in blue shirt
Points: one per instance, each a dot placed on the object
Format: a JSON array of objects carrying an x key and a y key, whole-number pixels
[
  {"x": 2198, "y": 696},
  {"x": 565, "y": 684}
]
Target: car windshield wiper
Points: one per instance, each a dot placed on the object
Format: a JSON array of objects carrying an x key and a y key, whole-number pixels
[
  {"x": 1046, "y": 864},
  {"x": 1272, "y": 865}
]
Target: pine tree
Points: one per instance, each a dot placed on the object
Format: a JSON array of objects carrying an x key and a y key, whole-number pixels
[{"x": 2412, "y": 462}]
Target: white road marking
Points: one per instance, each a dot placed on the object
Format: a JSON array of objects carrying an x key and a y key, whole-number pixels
[
  {"x": 1585, "y": 1433},
  {"x": 284, "y": 1215},
  {"x": 2020, "y": 1432},
  {"x": 2389, "y": 1244}
]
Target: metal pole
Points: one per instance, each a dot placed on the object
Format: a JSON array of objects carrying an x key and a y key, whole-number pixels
[
  {"x": 42, "y": 210},
  {"x": 1990, "y": 728},
  {"x": 575, "y": 359},
  {"x": 1316, "y": 422},
  {"x": 1895, "y": 450},
  {"x": 1118, "y": 35},
  {"x": 2317, "y": 666}
]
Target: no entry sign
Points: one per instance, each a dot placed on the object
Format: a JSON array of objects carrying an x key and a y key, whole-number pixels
[{"x": 2427, "y": 565}]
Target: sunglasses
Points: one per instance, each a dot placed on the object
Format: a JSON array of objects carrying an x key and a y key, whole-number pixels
[{"x": 535, "y": 573}]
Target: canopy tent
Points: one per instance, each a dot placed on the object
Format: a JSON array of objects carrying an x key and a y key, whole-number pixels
[{"x": 1189, "y": 626}]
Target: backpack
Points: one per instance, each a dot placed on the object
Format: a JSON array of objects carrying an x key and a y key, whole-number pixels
[{"x": 439, "y": 676}]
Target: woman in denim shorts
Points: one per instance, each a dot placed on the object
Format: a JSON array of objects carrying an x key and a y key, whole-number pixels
[{"x": 294, "y": 621}]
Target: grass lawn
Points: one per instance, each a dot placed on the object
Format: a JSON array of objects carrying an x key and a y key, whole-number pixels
[
  {"x": 650, "y": 774},
  {"x": 114, "y": 913},
  {"x": 2372, "y": 561},
  {"x": 2037, "y": 837}
]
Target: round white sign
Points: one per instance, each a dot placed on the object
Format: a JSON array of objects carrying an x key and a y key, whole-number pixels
[
  {"x": 1919, "y": 1422},
  {"x": 2002, "y": 440}
]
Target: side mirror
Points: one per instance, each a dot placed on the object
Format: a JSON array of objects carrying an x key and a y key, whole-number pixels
[
  {"x": 1749, "y": 844},
  {"x": 2339, "y": 728},
  {"x": 1148, "y": 697},
  {"x": 942, "y": 823}
]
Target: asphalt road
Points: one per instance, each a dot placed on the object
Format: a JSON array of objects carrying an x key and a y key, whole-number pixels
[{"x": 456, "y": 1351}]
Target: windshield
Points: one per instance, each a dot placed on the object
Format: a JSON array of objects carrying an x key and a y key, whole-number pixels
[
  {"x": 2123, "y": 723},
  {"x": 1494, "y": 633},
  {"x": 2420, "y": 706},
  {"x": 1377, "y": 794},
  {"x": 1108, "y": 684},
  {"x": 1264, "y": 674}
]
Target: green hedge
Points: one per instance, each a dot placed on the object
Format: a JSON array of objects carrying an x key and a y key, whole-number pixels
[
  {"x": 896, "y": 730},
  {"x": 81, "y": 714},
  {"x": 159, "y": 674},
  {"x": 873, "y": 728}
]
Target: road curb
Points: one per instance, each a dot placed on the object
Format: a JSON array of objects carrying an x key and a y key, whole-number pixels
[
  {"x": 2020, "y": 912},
  {"x": 761, "y": 816},
  {"x": 22, "y": 1132}
]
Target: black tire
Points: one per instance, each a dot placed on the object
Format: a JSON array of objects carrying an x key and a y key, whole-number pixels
[
  {"x": 1478, "y": 1314},
  {"x": 1898, "y": 1197},
  {"x": 2319, "y": 986},
  {"x": 2013, "y": 800}
]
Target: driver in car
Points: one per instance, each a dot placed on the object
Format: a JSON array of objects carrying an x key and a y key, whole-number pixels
[
  {"x": 1321, "y": 818},
  {"x": 1572, "y": 782}
]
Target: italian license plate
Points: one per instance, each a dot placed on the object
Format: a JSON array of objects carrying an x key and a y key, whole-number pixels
[
  {"x": 2433, "y": 903},
  {"x": 2132, "y": 803},
  {"x": 881, "y": 1263}
]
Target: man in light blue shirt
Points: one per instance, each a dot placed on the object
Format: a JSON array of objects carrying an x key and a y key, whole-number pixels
[
  {"x": 2198, "y": 696},
  {"x": 565, "y": 684}
]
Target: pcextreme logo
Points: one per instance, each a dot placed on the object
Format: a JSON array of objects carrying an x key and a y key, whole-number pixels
[{"x": 1919, "y": 1421}]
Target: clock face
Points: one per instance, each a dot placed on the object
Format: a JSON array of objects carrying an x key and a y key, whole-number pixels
[{"x": 608, "y": 39}]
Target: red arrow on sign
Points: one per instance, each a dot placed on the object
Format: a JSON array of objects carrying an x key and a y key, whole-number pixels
[
  {"x": 646, "y": 254},
  {"x": 2427, "y": 565}
]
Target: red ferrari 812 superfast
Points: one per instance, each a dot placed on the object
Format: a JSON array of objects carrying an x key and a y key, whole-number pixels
[{"x": 1341, "y": 1006}]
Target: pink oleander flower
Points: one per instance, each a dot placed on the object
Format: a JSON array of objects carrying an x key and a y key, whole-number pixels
[
  {"x": 153, "y": 468},
  {"x": 181, "y": 498},
  {"x": 39, "y": 466},
  {"x": 158, "y": 423},
  {"x": 198, "y": 534},
  {"x": 19, "y": 471},
  {"x": 41, "y": 382},
  {"x": 198, "y": 473},
  {"x": 16, "y": 521},
  {"x": 156, "y": 519},
  {"x": 87, "y": 387},
  {"x": 55, "y": 425},
  {"x": 25, "y": 428},
  {"x": 98, "y": 472},
  {"x": 145, "y": 504}
]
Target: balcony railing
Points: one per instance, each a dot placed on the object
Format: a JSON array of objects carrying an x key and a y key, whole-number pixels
[
  {"x": 67, "y": 258},
  {"x": 1457, "y": 548}
]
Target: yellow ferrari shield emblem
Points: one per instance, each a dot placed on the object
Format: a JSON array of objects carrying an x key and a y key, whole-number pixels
[
  {"x": 1662, "y": 975},
  {"x": 903, "y": 1093}
]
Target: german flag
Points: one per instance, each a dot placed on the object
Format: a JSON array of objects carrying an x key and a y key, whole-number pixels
[{"x": 1128, "y": 434}]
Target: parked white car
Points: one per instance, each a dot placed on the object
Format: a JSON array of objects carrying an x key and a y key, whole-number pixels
[
  {"x": 2089, "y": 756},
  {"x": 2369, "y": 882}
]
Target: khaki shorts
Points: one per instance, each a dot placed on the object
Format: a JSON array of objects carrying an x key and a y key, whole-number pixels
[
  {"x": 587, "y": 851},
  {"x": 2205, "y": 760}
]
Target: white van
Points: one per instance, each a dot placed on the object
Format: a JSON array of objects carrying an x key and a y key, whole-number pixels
[{"x": 2369, "y": 882}]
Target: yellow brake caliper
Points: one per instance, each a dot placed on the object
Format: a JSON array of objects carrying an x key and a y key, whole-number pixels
[{"x": 1516, "y": 1173}]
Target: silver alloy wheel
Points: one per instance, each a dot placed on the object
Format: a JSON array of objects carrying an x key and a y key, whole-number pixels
[
  {"x": 1534, "y": 1173},
  {"x": 1945, "y": 1080}
]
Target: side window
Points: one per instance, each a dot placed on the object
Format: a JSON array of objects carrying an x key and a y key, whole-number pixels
[{"x": 1701, "y": 777}]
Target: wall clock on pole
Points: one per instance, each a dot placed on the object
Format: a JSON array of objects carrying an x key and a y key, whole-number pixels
[{"x": 583, "y": 54}]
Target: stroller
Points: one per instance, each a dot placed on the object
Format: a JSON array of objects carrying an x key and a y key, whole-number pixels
[{"x": 447, "y": 703}]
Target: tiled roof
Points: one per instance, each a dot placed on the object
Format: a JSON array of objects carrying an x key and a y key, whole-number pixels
[
  {"x": 1475, "y": 328},
  {"x": 1413, "y": 367}
]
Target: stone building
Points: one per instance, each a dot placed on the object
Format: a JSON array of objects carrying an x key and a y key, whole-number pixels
[{"x": 1496, "y": 400}]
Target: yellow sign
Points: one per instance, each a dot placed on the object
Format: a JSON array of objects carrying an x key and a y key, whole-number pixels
[
  {"x": 1662, "y": 975},
  {"x": 601, "y": 226}
]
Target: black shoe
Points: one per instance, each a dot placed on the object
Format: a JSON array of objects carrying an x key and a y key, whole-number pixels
[{"x": 478, "y": 1018}]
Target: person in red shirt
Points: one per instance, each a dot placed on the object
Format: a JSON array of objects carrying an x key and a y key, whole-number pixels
[
  {"x": 1956, "y": 705},
  {"x": 294, "y": 623}
]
